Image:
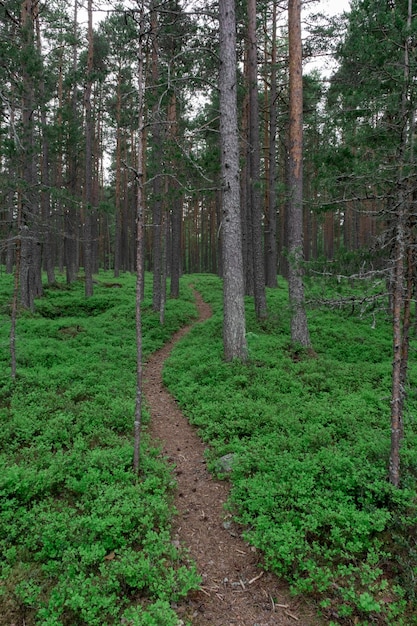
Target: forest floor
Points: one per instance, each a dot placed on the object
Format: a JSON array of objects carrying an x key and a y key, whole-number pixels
[{"x": 235, "y": 590}]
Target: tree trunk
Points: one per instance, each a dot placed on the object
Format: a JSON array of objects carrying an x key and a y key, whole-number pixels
[
  {"x": 140, "y": 239},
  {"x": 234, "y": 338},
  {"x": 219, "y": 238},
  {"x": 118, "y": 176},
  {"x": 177, "y": 206},
  {"x": 12, "y": 173},
  {"x": 246, "y": 213},
  {"x": 88, "y": 232},
  {"x": 299, "y": 328},
  {"x": 48, "y": 260},
  {"x": 157, "y": 181},
  {"x": 271, "y": 254},
  {"x": 254, "y": 167},
  {"x": 402, "y": 252},
  {"x": 71, "y": 212},
  {"x": 15, "y": 299},
  {"x": 165, "y": 238},
  {"x": 58, "y": 172},
  {"x": 397, "y": 364},
  {"x": 30, "y": 269},
  {"x": 176, "y": 237}
]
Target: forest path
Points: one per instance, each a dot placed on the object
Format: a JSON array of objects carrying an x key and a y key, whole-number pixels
[{"x": 235, "y": 591}]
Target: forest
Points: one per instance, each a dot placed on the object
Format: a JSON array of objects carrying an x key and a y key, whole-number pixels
[{"x": 259, "y": 154}]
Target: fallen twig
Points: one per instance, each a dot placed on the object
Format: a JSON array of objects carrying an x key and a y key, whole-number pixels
[
  {"x": 252, "y": 580},
  {"x": 204, "y": 591},
  {"x": 291, "y": 615}
]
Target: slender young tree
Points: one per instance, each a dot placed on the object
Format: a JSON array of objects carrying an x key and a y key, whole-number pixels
[
  {"x": 271, "y": 254},
  {"x": 234, "y": 338},
  {"x": 299, "y": 327},
  {"x": 140, "y": 237},
  {"x": 88, "y": 233},
  {"x": 157, "y": 154}
]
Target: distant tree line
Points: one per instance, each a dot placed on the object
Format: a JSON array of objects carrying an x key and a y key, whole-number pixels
[{"x": 69, "y": 133}]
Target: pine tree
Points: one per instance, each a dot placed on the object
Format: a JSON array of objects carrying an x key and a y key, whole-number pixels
[
  {"x": 299, "y": 327},
  {"x": 234, "y": 339}
]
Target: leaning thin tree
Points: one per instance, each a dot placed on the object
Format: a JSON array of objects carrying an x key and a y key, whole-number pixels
[
  {"x": 234, "y": 336},
  {"x": 403, "y": 269}
]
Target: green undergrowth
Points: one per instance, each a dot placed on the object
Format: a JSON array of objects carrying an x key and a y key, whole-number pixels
[
  {"x": 81, "y": 540},
  {"x": 310, "y": 438}
]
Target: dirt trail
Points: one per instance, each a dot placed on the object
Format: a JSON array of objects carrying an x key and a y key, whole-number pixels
[{"x": 235, "y": 590}]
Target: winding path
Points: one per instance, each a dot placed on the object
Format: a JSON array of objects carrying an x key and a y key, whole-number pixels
[{"x": 235, "y": 591}]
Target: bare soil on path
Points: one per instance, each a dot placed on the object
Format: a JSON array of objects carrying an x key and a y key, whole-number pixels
[{"x": 235, "y": 590}]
